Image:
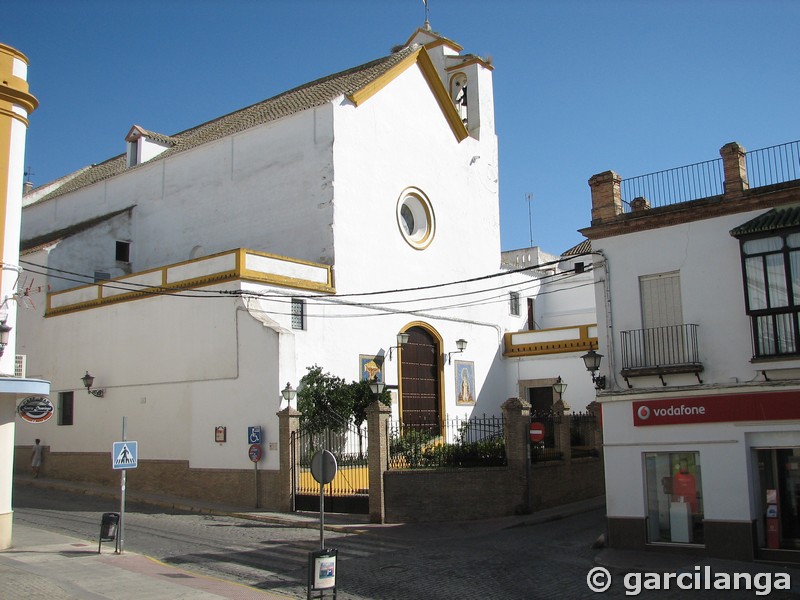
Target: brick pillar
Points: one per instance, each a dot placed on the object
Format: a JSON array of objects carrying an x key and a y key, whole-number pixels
[
  {"x": 735, "y": 167},
  {"x": 288, "y": 424},
  {"x": 378, "y": 447},
  {"x": 517, "y": 416},
  {"x": 595, "y": 409},
  {"x": 606, "y": 196},
  {"x": 562, "y": 433}
]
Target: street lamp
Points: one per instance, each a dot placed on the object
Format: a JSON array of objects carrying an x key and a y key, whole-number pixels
[
  {"x": 461, "y": 345},
  {"x": 592, "y": 361},
  {"x": 376, "y": 386},
  {"x": 402, "y": 338},
  {"x": 87, "y": 380},
  {"x": 4, "y": 331},
  {"x": 559, "y": 387},
  {"x": 288, "y": 394}
]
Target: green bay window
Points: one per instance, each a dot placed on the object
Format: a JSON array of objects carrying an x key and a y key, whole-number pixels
[{"x": 771, "y": 272}]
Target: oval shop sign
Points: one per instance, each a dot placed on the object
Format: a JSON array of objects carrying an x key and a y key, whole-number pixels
[{"x": 35, "y": 409}]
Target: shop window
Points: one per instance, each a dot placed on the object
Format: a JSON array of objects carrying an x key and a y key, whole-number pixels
[
  {"x": 65, "y": 408},
  {"x": 674, "y": 497}
]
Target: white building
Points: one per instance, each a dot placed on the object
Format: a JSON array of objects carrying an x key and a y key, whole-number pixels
[
  {"x": 195, "y": 274},
  {"x": 697, "y": 316}
]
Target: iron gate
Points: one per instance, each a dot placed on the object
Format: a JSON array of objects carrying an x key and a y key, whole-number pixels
[{"x": 349, "y": 490}]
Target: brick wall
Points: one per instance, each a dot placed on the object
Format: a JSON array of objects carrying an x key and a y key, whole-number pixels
[
  {"x": 428, "y": 495},
  {"x": 169, "y": 477}
]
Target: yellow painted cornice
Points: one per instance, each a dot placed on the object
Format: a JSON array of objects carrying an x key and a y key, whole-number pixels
[
  {"x": 14, "y": 90},
  {"x": 437, "y": 41},
  {"x": 423, "y": 60},
  {"x": 475, "y": 60},
  {"x": 238, "y": 273}
]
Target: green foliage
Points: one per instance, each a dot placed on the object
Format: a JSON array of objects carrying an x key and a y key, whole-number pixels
[
  {"x": 421, "y": 449},
  {"x": 323, "y": 400},
  {"x": 326, "y": 401},
  {"x": 363, "y": 397}
]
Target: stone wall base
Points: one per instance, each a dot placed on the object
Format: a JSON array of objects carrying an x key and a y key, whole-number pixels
[
  {"x": 169, "y": 477},
  {"x": 731, "y": 540}
]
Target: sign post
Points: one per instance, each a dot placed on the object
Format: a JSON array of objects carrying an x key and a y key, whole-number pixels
[
  {"x": 254, "y": 452},
  {"x": 322, "y": 564},
  {"x": 124, "y": 456}
]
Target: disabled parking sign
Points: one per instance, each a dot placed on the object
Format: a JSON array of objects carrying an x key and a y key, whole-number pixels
[{"x": 125, "y": 455}]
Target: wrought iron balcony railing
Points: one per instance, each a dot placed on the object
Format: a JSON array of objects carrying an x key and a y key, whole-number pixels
[{"x": 660, "y": 351}]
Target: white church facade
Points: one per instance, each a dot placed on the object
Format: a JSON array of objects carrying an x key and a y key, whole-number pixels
[{"x": 196, "y": 274}]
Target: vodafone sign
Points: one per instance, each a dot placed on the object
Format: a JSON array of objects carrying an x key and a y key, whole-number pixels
[{"x": 763, "y": 406}]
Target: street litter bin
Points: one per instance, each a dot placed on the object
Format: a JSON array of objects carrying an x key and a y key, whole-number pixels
[{"x": 108, "y": 528}]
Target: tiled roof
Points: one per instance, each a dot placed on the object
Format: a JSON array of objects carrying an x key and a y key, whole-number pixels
[
  {"x": 304, "y": 97},
  {"x": 583, "y": 248},
  {"x": 777, "y": 218},
  {"x": 32, "y": 244}
]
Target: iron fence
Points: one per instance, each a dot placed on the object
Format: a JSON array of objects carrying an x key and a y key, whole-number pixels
[
  {"x": 660, "y": 347},
  {"x": 772, "y": 165},
  {"x": 673, "y": 186},
  {"x": 348, "y": 444},
  {"x": 583, "y": 429},
  {"x": 765, "y": 166},
  {"x": 547, "y": 448},
  {"x": 453, "y": 443}
]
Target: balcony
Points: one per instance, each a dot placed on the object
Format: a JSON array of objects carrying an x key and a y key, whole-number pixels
[{"x": 660, "y": 351}]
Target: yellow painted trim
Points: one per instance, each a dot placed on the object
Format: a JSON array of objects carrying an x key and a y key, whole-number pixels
[
  {"x": 475, "y": 60},
  {"x": 13, "y": 115},
  {"x": 584, "y": 343},
  {"x": 429, "y": 214},
  {"x": 235, "y": 274},
  {"x": 365, "y": 93},
  {"x": 420, "y": 58},
  {"x": 442, "y": 97},
  {"x": 6, "y": 126},
  {"x": 439, "y": 364},
  {"x": 439, "y": 41}
]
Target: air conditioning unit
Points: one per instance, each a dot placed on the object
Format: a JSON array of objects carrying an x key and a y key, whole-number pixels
[{"x": 19, "y": 365}]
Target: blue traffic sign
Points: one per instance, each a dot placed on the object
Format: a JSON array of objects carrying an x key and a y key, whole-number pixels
[
  {"x": 254, "y": 435},
  {"x": 125, "y": 455}
]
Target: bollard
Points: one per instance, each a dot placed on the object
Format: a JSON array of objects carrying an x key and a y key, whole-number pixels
[{"x": 108, "y": 528}]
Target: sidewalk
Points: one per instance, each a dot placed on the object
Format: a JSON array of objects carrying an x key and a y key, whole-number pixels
[{"x": 48, "y": 566}]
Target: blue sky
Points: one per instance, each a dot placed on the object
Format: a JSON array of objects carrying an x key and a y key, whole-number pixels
[{"x": 580, "y": 86}]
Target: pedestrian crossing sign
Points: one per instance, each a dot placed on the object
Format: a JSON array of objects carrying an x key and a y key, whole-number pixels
[{"x": 125, "y": 455}]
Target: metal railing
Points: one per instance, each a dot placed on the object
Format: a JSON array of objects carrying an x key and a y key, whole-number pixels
[
  {"x": 772, "y": 165},
  {"x": 455, "y": 443},
  {"x": 765, "y": 166},
  {"x": 548, "y": 448},
  {"x": 675, "y": 345},
  {"x": 673, "y": 186}
]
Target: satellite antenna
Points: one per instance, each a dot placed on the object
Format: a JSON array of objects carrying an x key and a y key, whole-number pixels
[{"x": 529, "y": 197}]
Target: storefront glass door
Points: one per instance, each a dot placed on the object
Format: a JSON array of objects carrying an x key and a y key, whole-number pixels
[{"x": 779, "y": 474}]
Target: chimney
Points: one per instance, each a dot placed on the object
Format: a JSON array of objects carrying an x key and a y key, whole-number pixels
[{"x": 606, "y": 196}]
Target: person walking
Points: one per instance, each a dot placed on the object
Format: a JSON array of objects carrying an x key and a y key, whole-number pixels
[{"x": 36, "y": 458}]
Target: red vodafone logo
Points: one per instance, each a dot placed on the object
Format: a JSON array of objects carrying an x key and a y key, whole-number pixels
[{"x": 643, "y": 413}]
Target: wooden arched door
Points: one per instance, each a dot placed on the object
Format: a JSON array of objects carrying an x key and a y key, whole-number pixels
[{"x": 420, "y": 385}]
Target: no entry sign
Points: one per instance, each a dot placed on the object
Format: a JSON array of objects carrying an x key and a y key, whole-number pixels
[{"x": 537, "y": 432}]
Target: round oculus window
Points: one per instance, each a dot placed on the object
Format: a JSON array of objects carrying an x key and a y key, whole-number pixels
[{"x": 415, "y": 218}]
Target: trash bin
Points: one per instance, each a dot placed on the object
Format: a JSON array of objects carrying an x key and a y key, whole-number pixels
[{"x": 108, "y": 528}]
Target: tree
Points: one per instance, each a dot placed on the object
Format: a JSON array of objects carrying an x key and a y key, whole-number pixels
[
  {"x": 363, "y": 397},
  {"x": 324, "y": 401}
]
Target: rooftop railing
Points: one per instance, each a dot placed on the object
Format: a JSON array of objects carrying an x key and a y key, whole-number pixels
[{"x": 766, "y": 166}]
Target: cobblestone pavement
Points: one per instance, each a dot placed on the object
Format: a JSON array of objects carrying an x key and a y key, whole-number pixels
[{"x": 539, "y": 556}]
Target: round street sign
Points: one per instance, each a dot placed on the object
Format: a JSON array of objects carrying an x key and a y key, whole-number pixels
[
  {"x": 537, "y": 432},
  {"x": 254, "y": 452},
  {"x": 323, "y": 466}
]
